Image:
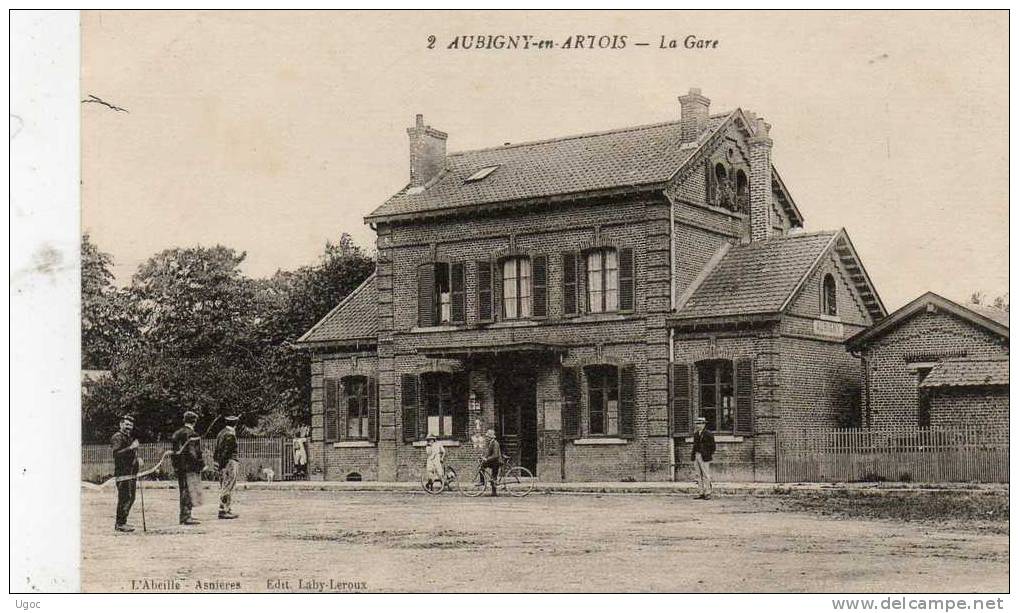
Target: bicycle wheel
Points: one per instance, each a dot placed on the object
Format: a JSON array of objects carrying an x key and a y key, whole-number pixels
[
  {"x": 518, "y": 481},
  {"x": 474, "y": 486},
  {"x": 433, "y": 487}
]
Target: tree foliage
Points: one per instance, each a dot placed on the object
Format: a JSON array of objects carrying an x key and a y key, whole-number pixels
[{"x": 210, "y": 339}]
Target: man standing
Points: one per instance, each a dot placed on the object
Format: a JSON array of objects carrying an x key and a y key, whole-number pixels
[
  {"x": 225, "y": 456},
  {"x": 492, "y": 459},
  {"x": 188, "y": 464},
  {"x": 701, "y": 452},
  {"x": 125, "y": 470}
]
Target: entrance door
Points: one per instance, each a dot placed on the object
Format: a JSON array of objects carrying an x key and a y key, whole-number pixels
[{"x": 516, "y": 410}]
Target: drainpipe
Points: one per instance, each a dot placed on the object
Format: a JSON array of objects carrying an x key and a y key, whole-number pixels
[{"x": 672, "y": 438}]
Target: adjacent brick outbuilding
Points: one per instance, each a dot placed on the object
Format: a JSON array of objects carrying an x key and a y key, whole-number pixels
[
  {"x": 586, "y": 297},
  {"x": 934, "y": 363}
]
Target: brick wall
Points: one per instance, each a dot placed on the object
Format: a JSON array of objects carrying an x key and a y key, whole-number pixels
[
  {"x": 982, "y": 406},
  {"x": 336, "y": 463},
  {"x": 892, "y": 375}
]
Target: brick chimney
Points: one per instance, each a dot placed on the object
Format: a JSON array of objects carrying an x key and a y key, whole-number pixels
[
  {"x": 760, "y": 181},
  {"x": 427, "y": 152},
  {"x": 693, "y": 114}
]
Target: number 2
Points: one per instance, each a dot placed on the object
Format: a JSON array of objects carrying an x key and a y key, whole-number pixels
[{"x": 431, "y": 41}]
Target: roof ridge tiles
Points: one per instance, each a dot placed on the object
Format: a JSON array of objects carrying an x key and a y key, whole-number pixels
[{"x": 546, "y": 141}]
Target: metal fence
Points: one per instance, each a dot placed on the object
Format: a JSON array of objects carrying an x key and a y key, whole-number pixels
[
  {"x": 928, "y": 455},
  {"x": 254, "y": 454}
]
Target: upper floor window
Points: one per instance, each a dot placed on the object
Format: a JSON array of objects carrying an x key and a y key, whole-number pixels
[
  {"x": 440, "y": 293},
  {"x": 742, "y": 192},
  {"x": 516, "y": 288},
  {"x": 828, "y": 296},
  {"x": 602, "y": 281}
]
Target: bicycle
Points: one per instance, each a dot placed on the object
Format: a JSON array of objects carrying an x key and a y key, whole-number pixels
[
  {"x": 515, "y": 480},
  {"x": 449, "y": 481}
]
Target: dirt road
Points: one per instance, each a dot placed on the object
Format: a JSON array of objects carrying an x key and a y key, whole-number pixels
[{"x": 371, "y": 541}]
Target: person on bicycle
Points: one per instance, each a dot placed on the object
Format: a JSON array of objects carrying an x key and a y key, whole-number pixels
[
  {"x": 436, "y": 454},
  {"x": 492, "y": 458}
]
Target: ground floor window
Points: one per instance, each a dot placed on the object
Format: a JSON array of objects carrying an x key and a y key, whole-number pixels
[
  {"x": 715, "y": 393},
  {"x": 603, "y": 399},
  {"x": 437, "y": 401},
  {"x": 355, "y": 393}
]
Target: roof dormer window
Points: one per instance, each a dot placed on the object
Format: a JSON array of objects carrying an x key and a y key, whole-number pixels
[{"x": 480, "y": 174}]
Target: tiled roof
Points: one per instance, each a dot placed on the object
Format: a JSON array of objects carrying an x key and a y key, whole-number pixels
[
  {"x": 958, "y": 373},
  {"x": 356, "y": 318},
  {"x": 991, "y": 313},
  {"x": 991, "y": 319},
  {"x": 757, "y": 278},
  {"x": 640, "y": 155}
]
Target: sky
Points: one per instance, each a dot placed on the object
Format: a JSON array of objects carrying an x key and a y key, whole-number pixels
[{"x": 273, "y": 132}]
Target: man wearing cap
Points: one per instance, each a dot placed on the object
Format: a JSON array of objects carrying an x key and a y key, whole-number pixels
[
  {"x": 188, "y": 464},
  {"x": 225, "y": 456},
  {"x": 701, "y": 452},
  {"x": 493, "y": 458},
  {"x": 125, "y": 464}
]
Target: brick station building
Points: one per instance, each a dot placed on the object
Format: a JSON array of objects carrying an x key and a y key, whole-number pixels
[
  {"x": 587, "y": 297},
  {"x": 936, "y": 363}
]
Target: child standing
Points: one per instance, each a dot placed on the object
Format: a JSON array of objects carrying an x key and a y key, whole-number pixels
[{"x": 436, "y": 454}]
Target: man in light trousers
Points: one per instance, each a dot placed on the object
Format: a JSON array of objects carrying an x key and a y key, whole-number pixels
[
  {"x": 701, "y": 453},
  {"x": 225, "y": 456}
]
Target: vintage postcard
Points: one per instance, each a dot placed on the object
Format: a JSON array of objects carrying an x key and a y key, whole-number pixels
[{"x": 540, "y": 302}]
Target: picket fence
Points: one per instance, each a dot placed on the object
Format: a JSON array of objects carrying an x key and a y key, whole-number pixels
[
  {"x": 254, "y": 455},
  {"x": 928, "y": 455}
]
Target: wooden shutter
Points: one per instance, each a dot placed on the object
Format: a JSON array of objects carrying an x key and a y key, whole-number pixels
[
  {"x": 570, "y": 283},
  {"x": 570, "y": 384},
  {"x": 426, "y": 295},
  {"x": 682, "y": 407},
  {"x": 422, "y": 416},
  {"x": 373, "y": 410},
  {"x": 627, "y": 399},
  {"x": 539, "y": 286},
  {"x": 484, "y": 290},
  {"x": 497, "y": 312},
  {"x": 460, "y": 418},
  {"x": 745, "y": 396},
  {"x": 456, "y": 289},
  {"x": 582, "y": 294},
  {"x": 330, "y": 402},
  {"x": 409, "y": 405},
  {"x": 626, "y": 279}
]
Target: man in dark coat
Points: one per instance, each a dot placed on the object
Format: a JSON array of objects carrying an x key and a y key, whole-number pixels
[
  {"x": 225, "y": 457},
  {"x": 188, "y": 464},
  {"x": 492, "y": 458},
  {"x": 701, "y": 453},
  {"x": 125, "y": 464}
]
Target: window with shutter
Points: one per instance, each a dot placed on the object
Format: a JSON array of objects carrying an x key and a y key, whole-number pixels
[
  {"x": 426, "y": 295},
  {"x": 569, "y": 283},
  {"x": 602, "y": 399},
  {"x": 330, "y": 404},
  {"x": 570, "y": 384},
  {"x": 539, "y": 280},
  {"x": 682, "y": 407},
  {"x": 627, "y": 399},
  {"x": 458, "y": 313},
  {"x": 373, "y": 410},
  {"x": 484, "y": 290},
  {"x": 626, "y": 280},
  {"x": 716, "y": 401},
  {"x": 745, "y": 396},
  {"x": 409, "y": 406}
]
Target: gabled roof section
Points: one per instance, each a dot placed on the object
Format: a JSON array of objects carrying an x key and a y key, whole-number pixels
[
  {"x": 785, "y": 199},
  {"x": 995, "y": 323},
  {"x": 642, "y": 156},
  {"x": 354, "y": 320},
  {"x": 763, "y": 278},
  {"x": 968, "y": 372}
]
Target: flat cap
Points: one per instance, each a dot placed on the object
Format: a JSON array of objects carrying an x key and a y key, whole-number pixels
[{"x": 190, "y": 416}]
